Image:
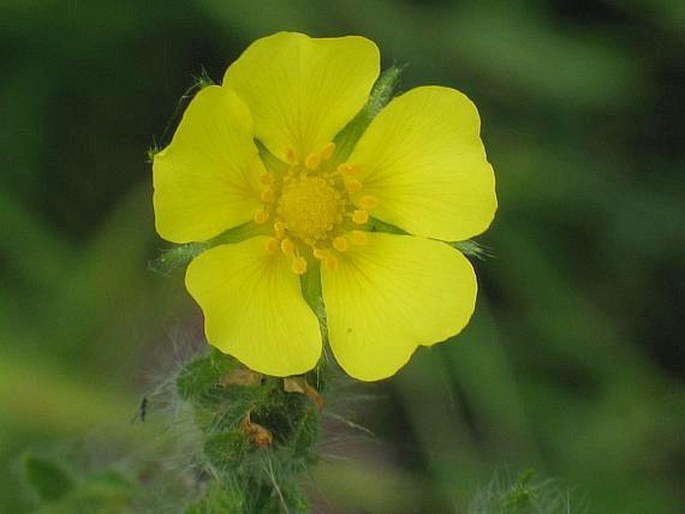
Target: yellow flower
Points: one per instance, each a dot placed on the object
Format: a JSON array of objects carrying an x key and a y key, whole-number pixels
[{"x": 420, "y": 166}]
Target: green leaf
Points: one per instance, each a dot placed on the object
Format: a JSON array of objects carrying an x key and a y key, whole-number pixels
[{"x": 50, "y": 481}]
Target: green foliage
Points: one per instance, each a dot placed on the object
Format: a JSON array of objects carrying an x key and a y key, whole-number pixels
[
  {"x": 47, "y": 478},
  {"x": 219, "y": 498},
  {"x": 61, "y": 493},
  {"x": 258, "y": 438},
  {"x": 524, "y": 494}
]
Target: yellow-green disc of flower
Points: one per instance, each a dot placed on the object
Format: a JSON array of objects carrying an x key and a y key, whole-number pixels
[
  {"x": 423, "y": 159},
  {"x": 207, "y": 180},
  {"x": 301, "y": 90},
  {"x": 391, "y": 295},
  {"x": 254, "y": 309}
]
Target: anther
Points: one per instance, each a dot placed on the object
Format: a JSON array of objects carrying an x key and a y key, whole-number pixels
[
  {"x": 368, "y": 202},
  {"x": 357, "y": 237},
  {"x": 271, "y": 245},
  {"x": 340, "y": 244},
  {"x": 279, "y": 229},
  {"x": 261, "y": 216},
  {"x": 290, "y": 156},
  {"x": 299, "y": 265},
  {"x": 360, "y": 217},
  {"x": 287, "y": 247},
  {"x": 266, "y": 178},
  {"x": 268, "y": 195},
  {"x": 349, "y": 169},
  {"x": 319, "y": 253},
  {"x": 327, "y": 151},
  {"x": 353, "y": 185},
  {"x": 331, "y": 263},
  {"x": 312, "y": 161}
]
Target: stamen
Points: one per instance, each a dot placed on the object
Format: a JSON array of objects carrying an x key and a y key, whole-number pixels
[
  {"x": 279, "y": 229},
  {"x": 357, "y": 237},
  {"x": 353, "y": 185},
  {"x": 349, "y": 169},
  {"x": 261, "y": 216},
  {"x": 360, "y": 217},
  {"x": 331, "y": 263},
  {"x": 312, "y": 161},
  {"x": 290, "y": 156},
  {"x": 327, "y": 151},
  {"x": 299, "y": 265},
  {"x": 340, "y": 244},
  {"x": 319, "y": 253},
  {"x": 368, "y": 202},
  {"x": 271, "y": 245},
  {"x": 266, "y": 178},
  {"x": 288, "y": 247},
  {"x": 268, "y": 195}
]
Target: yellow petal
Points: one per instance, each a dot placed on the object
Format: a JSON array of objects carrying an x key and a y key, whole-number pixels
[
  {"x": 207, "y": 180},
  {"x": 423, "y": 159},
  {"x": 254, "y": 309},
  {"x": 391, "y": 295},
  {"x": 301, "y": 90}
]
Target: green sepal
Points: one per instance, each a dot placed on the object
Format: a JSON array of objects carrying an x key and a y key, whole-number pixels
[
  {"x": 49, "y": 480},
  {"x": 220, "y": 498},
  {"x": 175, "y": 257},
  {"x": 202, "y": 81},
  {"x": 200, "y": 376},
  {"x": 271, "y": 162},
  {"x": 472, "y": 249},
  {"x": 226, "y": 450},
  {"x": 381, "y": 94},
  {"x": 468, "y": 247},
  {"x": 181, "y": 255}
]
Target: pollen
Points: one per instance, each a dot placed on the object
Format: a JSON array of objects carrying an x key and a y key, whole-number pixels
[
  {"x": 360, "y": 216},
  {"x": 358, "y": 237},
  {"x": 279, "y": 229},
  {"x": 312, "y": 161},
  {"x": 353, "y": 185},
  {"x": 291, "y": 156},
  {"x": 340, "y": 244},
  {"x": 271, "y": 245},
  {"x": 287, "y": 247},
  {"x": 268, "y": 195},
  {"x": 331, "y": 262},
  {"x": 327, "y": 151},
  {"x": 368, "y": 202},
  {"x": 299, "y": 266},
  {"x": 261, "y": 216}
]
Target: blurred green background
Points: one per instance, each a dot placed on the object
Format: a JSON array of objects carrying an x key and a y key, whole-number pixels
[{"x": 573, "y": 363}]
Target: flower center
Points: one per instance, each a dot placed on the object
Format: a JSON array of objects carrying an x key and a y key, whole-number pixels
[
  {"x": 317, "y": 210},
  {"x": 310, "y": 207}
]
